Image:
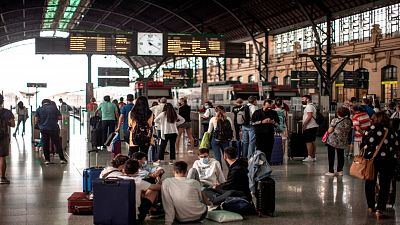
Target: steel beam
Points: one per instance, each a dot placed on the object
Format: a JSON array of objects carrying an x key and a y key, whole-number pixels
[{"x": 156, "y": 68}]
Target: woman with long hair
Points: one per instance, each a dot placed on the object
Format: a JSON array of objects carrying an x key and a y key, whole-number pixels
[
  {"x": 140, "y": 122},
  {"x": 184, "y": 111},
  {"x": 384, "y": 162},
  {"x": 169, "y": 120},
  {"x": 22, "y": 113},
  {"x": 220, "y": 132}
]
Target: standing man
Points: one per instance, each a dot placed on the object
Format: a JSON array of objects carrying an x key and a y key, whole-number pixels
[
  {"x": 248, "y": 134},
  {"x": 310, "y": 127},
  {"x": 47, "y": 118},
  {"x": 235, "y": 110},
  {"x": 64, "y": 106},
  {"x": 264, "y": 121},
  {"x": 123, "y": 120},
  {"x": 121, "y": 103},
  {"x": 6, "y": 121},
  {"x": 109, "y": 113}
]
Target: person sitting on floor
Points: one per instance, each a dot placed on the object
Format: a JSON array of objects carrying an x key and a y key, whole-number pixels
[
  {"x": 182, "y": 197},
  {"x": 115, "y": 170},
  {"x": 237, "y": 182},
  {"x": 148, "y": 172},
  {"x": 206, "y": 170},
  {"x": 146, "y": 193}
]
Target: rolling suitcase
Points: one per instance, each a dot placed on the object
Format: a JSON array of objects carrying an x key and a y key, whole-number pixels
[
  {"x": 277, "y": 151},
  {"x": 265, "y": 197},
  {"x": 91, "y": 173},
  {"x": 297, "y": 146},
  {"x": 114, "y": 202},
  {"x": 79, "y": 203}
]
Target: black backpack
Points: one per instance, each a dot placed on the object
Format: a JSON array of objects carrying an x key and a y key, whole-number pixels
[
  {"x": 3, "y": 125},
  {"x": 223, "y": 132},
  {"x": 319, "y": 117},
  {"x": 141, "y": 134}
]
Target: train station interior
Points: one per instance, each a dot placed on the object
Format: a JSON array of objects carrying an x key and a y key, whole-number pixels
[{"x": 342, "y": 54}]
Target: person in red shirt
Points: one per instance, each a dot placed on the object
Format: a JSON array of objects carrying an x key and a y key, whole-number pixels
[
  {"x": 92, "y": 106},
  {"x": 121, "y": 103},
  {"x": 361, "y": 123}
]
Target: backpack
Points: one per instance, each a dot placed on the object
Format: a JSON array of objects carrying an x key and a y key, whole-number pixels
[
  {"x": 3, "y": 125},
  {"x": 319, "y": 117},
  {"x": 223, "y": 132},
  {"x": 282, "y": 120},
  {"x": 243, "y": 115},
  {"x": 141, "y": 134},
  {"x": 238, "y": 205}
]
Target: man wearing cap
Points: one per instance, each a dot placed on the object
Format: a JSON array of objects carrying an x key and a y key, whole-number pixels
[{"x": 8, "y": 121}]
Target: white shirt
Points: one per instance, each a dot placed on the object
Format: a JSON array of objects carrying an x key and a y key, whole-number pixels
[
  {"x": 210, "y": 173},
  {"x": 252, "y": 109},
  {"x": 210, "y": 112},
  {"x": 213, "y": 125},
  {"x": 181, "y": 198},
  {"x": 112, "y": 172},
  {"x": 141, "y": 186},
  {"x": 167, "y": 127},
  {"x": 310, "y": 108}
]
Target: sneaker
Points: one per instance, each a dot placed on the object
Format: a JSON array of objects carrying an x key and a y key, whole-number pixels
[
  {"x": 171, "y": 163},
  {"x": 4, "y": 180},
  {"x": 340, "y": 173},
  {"x": 190, "y": 151},
  {"x": 314, "y": 159},
  {"x": 63, "y": 161},
  {"x": 156, "y": 214},
  {"x": 47, "y": 162},
  {"x": 308, "y": 159},
  {"x": 330, "y": 174}
]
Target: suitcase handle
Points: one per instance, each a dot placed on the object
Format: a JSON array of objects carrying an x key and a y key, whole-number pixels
[{"x": 111, "y": 181}]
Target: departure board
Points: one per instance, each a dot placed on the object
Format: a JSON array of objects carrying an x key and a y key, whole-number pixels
[
  {"x": 101, "y": 43},
  {"x": 195, "y": 45}
]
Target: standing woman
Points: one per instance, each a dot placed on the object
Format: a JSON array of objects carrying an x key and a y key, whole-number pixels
[
  {"x": 22, "y": 113},
  {"x": 214, "y": 127},
  {"x": 169, "y": 120},
  {"x": 184, "y": 111},
  {"x": 140, "y": 122},
  {"x": 210, "y": 112},
  {"x": 337, "y": 141},
  {"x": 384, "y": 162}
]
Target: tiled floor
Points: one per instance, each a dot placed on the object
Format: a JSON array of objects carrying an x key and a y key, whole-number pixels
[{"x": 38, "y": 194}]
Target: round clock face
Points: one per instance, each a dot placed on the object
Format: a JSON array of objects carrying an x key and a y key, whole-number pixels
[{"x": 150, "y": 44}]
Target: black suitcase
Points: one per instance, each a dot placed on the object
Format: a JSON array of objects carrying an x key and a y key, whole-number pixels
[
  {"x": 265, "y": 197},
  {"x": 96, "y": 137},
  {"x": 297, "y": 146},
  {"x": 114, "y": 202}
]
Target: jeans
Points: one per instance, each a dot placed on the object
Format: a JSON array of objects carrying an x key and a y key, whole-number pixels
[
  {"x": 385, "y": 168},
  {"x": 249, "y": 140},
  {"x": 331, "y": 158},
  {"x": 108, "y": 126},
  {"x": 172, "y": 140},
  {"x": 217, "y": 147},
  {"x": 20, "y": 120},
  {"x": 54, "y": 136}
]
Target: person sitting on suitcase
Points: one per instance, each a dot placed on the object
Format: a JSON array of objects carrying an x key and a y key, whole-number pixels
[
  {"x": 206, "y": 170},
  {"x": 147, "y": 171},
  {"x": 117, "y": 165},
  {"x": 182, "y": 197},
  {"x": 146, "y": 193}
]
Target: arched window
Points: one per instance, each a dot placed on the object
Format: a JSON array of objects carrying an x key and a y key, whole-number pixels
[
  {"x": 286, "y": 80},
  {"x": 389, "y": 83},
  {"x": 251, "y": 78},
  {"x": 230, "y": 78},
  {"x": 240, "y": 78},
  {"x": 275, "y": 80}
]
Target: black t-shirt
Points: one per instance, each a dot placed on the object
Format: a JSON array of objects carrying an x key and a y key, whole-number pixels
[
  {"x": 260, "y": 115},
  {"x": 184, "y": 111}
]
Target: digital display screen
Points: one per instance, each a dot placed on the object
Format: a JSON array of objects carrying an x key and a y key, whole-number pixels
[
  {"x": 193, "y": 45},
  {"x": 178, "y": 77},
  {"x": 98, "y": 43}
]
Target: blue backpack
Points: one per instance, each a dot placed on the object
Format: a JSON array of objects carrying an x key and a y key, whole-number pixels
[{"x": 238, "y": 205}]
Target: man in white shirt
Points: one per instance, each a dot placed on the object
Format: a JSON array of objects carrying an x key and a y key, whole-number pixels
[
  {"x": 146, "y": 193},
  {"x": 206, "y": 170},
  {"x": 248, "y": 133},
  {"x": 182, "y": 197},
  {"x": 310, "y": 127}
]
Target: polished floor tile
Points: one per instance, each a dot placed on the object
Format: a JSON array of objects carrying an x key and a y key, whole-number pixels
[{"x": 38, "y": 193}]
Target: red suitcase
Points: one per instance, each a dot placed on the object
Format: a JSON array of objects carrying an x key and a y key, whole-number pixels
[{"x": 79, "y": 203}]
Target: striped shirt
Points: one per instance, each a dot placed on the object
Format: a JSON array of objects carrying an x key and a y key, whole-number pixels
[{"x": 363, "y": 121}]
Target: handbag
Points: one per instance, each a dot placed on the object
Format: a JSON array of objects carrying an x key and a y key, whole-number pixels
[{"x": 364, "y": 168}]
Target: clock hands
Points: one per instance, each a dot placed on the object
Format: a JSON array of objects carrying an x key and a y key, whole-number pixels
[{"x": 151, "y": 44}]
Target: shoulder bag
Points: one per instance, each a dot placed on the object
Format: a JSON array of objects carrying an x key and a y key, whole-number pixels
[
  {"x": 326, "y": 135},
  {"x": 364, "y": 168}
]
